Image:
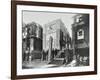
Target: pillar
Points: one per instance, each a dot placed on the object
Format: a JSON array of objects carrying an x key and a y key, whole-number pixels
[{"x": 50, "y": 49}]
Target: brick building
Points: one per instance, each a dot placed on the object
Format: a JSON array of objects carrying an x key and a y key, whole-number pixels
[
  {"x": 80, "y": 35},
  {"x": 32, "y": 40}
]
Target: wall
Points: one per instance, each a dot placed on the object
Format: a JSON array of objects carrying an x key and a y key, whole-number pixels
[{"x": 5, "y": 40}]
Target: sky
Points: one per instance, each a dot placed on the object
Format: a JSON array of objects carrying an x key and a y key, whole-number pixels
[{"x": 43, "y": 18}]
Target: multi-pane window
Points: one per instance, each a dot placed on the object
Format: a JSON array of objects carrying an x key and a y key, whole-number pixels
[
  {"x": 80, "y": 34},
  {"x": 77, "y": 19}
]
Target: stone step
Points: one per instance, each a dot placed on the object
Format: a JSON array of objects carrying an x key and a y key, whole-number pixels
[{"x": 57, "y": 61}]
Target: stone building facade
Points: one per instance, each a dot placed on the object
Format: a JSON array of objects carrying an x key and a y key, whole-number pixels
[
  {"x": 57, "y": 30},
  {"x": 61, "y": 41}
]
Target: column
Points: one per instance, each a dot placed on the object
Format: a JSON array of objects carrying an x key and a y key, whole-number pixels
[{"x": 50, "y": 49}]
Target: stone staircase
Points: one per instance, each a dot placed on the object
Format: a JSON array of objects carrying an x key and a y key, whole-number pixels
[{"x": 58, "y": 60}]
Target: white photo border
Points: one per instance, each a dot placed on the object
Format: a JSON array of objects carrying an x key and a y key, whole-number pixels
[{"x": 36, "y": 71}]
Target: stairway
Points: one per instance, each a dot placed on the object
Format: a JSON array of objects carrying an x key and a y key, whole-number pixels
[
  {"x": 58, "y": 60},
  {"x": 59, "y": 54}
]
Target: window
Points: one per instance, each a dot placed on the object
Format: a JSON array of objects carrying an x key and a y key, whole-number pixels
[
  {"x": 77, "y": 19},
  {"x": 80, "y": 34},
  {"x": 80, "y": 19}
]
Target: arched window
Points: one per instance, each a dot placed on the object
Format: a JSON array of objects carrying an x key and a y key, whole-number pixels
[{"x": 80, "y": 34}]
